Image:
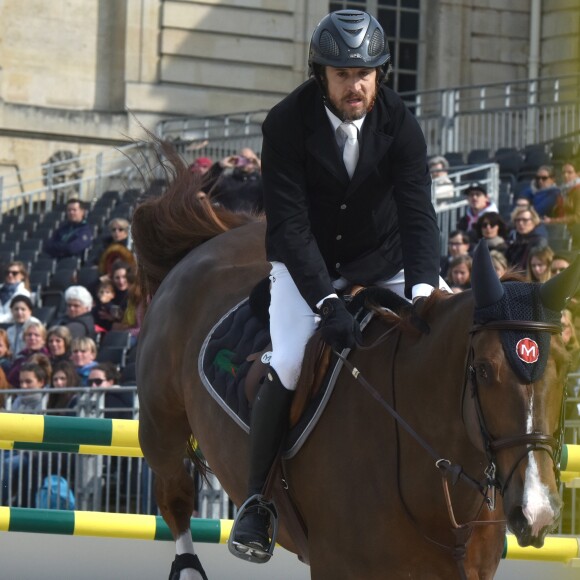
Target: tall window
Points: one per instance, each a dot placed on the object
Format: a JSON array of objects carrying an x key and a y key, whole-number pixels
[{"x": 400, "y": 21}]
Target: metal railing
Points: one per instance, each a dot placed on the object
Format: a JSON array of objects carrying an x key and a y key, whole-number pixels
[
  {"x": 513, "y": 114},
  {"x": 85, "y": 177}
]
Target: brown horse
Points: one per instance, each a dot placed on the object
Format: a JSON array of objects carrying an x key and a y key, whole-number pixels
[{"x": 377, "y": 500}]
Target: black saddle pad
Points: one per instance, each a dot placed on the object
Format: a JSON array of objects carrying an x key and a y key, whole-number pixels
[{"x": 223, "y": 369}]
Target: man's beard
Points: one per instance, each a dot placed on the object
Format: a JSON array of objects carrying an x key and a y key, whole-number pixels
[{"x": 344, "y": 115}]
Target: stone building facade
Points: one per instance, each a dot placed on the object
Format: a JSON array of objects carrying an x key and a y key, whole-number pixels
[{"x": 81, "y": 75}]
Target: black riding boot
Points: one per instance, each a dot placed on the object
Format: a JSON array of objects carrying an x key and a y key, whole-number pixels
[{"x": 268, "y": 425}]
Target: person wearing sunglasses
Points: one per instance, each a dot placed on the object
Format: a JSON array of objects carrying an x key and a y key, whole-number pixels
[
  {"x": 491, "y": 228},
  {"x": 529, "y": 232},
  {"x": 543, "y": 193},
  {"x": 118, "y": 401},
  {"x": 16, "y": 283}
]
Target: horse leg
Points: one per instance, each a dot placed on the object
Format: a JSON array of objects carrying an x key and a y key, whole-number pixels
[{"x": 164, "y": 449}]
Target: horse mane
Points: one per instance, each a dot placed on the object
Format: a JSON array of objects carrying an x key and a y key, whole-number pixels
[
  {"x": 166, "y": 227},
  {"x": 406, "y": 318}
]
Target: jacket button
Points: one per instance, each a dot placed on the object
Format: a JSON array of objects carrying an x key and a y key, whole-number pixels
[
  {"x": 339, "y": 237},
  {"x": 343, "y": 206},
  {"x": 337, "y": 265}
]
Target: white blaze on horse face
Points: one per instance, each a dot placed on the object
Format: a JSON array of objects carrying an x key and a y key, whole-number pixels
[{"x": 536, "y": 505}]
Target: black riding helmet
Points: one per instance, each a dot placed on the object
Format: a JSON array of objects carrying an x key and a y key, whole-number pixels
[{"x": 348, "y": 38}]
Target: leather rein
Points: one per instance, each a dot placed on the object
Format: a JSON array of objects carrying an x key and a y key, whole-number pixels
[{"x": 451, "y": 472}]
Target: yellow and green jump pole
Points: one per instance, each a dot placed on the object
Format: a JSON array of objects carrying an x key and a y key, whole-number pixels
[
  {"x": 107, "y": 525},
  {"x": 565, "y": 549}
]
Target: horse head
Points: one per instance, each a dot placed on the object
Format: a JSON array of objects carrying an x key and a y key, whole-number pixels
[{"x": 514, "y": 391}]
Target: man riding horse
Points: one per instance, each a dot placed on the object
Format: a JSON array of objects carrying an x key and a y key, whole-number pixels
[{"x": 348, "y": 201}]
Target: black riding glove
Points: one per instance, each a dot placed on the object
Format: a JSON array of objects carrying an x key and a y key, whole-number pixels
[{"x": 338, "y": 328}]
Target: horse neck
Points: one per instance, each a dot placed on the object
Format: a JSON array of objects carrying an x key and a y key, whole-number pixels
[{"x": 431, "y": 369}]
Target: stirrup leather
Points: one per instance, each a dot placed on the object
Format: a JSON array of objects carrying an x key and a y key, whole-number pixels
[{"x": 250, "y": 553}]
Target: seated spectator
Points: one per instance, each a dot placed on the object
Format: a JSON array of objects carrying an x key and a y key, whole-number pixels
[
  {"x": 113, "y": 245},
  {"x": 529, "y": 232},
  {"x": 235, "y": 182},
  {"x": 133, "y": 316},
  {"x": 118, "y": 404},
  {"x": 33, "y": 380},
  {"x": 16, "y": 283},
  {"x": 458, "y": 245},
  {"x": 35, "y": 342},
  {"x": 570, "y": 190},
  {"x": 543, "y": 193},
  {"x": 84, "y": 353},
  {"x": 522, "y": 202},
  {"x": 438, "y": 167},
  {"x": 21, "y": 308},
  {"x": 491, "y": 228},
  {"x": 20, "y": 470},
  {"x": 78, "y": 319},
  {"x": 560, "y": 262},
  {"x": 4, "y": 384},
  {"x": 58, "y": 341},
  {"x": 569, "y": 335},
  {"x": 64, "y": 375},
  {"x": 5, "y": 351},
  {"x": 539, "y": 264},
  {"x": 74, "y": 236},
  {"x": 104, "y": 304},
  {"x": 106, "y": 375},
  {"x": 479, "y": 204},
  {"x": 499, "y": 262},
  {"x": 459, "y": 275},
  {"x": 123, "y": 279}
]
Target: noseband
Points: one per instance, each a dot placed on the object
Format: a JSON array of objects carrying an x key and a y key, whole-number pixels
[{"x": 536, "y": 441}]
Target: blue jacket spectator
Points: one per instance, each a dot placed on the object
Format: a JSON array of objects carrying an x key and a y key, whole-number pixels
[
  {"x": 74, "y": 236},
  {"x": 543, "y": 193}
]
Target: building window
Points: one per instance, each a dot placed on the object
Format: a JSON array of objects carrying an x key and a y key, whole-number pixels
[{"x": 400, "y": 21}]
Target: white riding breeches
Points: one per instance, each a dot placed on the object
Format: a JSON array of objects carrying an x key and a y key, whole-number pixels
[{"x": 292, "y": 321}]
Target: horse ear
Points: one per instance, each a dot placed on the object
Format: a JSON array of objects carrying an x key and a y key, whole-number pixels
[
  {"x": 487, "y": 288},
  {"x": 556, "y": 291}
]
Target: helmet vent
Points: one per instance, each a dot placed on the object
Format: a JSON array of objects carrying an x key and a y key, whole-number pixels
[
  {"x": 328, "y": 45},
  {"x": 354, "y": 32},
  {"x": 377, "y": 43}
]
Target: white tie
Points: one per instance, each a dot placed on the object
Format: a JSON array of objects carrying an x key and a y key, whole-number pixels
[{"x": 350, "y": 151}]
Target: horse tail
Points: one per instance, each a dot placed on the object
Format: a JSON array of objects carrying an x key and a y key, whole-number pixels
[
  {"x": 166, "y": 227},
  {"x": 193, "y": 452}
]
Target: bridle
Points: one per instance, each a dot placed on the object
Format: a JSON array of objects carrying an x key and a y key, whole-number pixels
[
  {"x": 536, "y": 441},
  {"x": 453, "y": 472}
]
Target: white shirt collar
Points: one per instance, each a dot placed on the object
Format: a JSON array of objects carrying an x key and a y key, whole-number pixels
[{"x": 336, "y": 122}]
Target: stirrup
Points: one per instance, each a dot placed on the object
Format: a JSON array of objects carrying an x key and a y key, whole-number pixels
[{"x": 251, "y": 553}]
